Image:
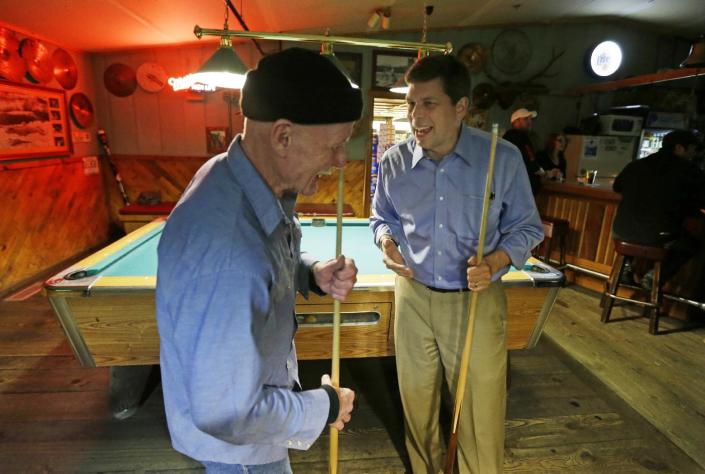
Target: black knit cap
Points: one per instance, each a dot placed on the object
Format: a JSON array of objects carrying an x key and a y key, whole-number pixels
[{"x": 301, "y": 86}]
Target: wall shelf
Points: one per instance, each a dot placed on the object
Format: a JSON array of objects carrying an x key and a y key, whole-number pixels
[{"x": 643, "y": 80}]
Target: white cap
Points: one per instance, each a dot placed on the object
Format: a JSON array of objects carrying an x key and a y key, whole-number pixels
[{"x": 521, "y": 113}]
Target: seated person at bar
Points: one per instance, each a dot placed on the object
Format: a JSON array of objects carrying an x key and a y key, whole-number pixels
[
  {"x": 658, "y": 193},
  {"x": 551, "y": 159},
  {"x": 518, "y": 135}
]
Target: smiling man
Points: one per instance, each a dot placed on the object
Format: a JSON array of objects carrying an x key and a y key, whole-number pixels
[
  {"x": 229, "y": 268},
  {"x": 426, "y": 219}
]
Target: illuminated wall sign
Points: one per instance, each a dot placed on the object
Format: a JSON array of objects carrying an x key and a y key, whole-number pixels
[
  {"x": 187, "y": 82},
  {"x": 605, "y": 58}
]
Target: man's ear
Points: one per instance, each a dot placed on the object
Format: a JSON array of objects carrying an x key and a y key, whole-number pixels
[
  {"x": 280, "y": 136},
  {"x": 461, "y": 107}
]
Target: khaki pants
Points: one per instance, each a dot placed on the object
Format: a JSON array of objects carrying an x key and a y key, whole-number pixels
[{"x": 429, "y": 334}]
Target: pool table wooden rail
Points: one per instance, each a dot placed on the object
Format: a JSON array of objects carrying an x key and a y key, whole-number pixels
[
  {"x": 120, "y": 328},
  {"x": 110, "y": 320}
]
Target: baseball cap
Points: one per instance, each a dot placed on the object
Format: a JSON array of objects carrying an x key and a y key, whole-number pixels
[{"x": 521, "y": 113}]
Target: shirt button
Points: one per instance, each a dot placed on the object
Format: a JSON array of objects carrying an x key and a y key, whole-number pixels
[
  {"x": 290, "y": 443},
  {"x": 440, "y": 253},
  {"x": 443, "y": 170},
  {"x": 440, "y": 198},
  {"x": 439, "y": 278},
  {"x": 440, "y": 226}
]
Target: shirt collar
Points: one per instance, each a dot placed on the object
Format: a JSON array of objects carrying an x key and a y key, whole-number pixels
[
  {"x": 265, "y": 204},
  {"x": 462, "y": 148}
]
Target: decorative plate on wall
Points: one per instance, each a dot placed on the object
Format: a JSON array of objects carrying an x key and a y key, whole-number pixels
[
  {"x": 474, "y": 56},
  {"x": 12, "y": 66},
  {"x": 81, "y": 110},
  {"x": 511, "y": 51},
  {"x": 120, "y": 80},
  {"x": 483, "y": 95},
  {"x": 64, "y": 69},
  {"x": 38, "y": 60},
  {"x": 151, "y": 77}
]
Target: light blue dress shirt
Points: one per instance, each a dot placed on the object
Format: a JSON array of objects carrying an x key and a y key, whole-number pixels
[
  {"x": 229, "y": 267},
  {"x": 433, "y": 209}
]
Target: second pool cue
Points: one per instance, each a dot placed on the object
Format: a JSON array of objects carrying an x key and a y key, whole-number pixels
[
  {"x": 335, "y": 368},
  {"x": 472, "y": 312}
]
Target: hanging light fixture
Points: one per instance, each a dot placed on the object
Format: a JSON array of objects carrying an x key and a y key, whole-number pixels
[
  {"x": 401, "y": 87},
  {"x": 327, "y": 52},
  {"x": 224, "y": 69},
  {"x": 696, "y": 56}
]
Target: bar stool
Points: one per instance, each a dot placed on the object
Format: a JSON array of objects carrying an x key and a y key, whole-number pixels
[
  {"x": 554, "y": 230},
  {"x": 653, "y": 254}
]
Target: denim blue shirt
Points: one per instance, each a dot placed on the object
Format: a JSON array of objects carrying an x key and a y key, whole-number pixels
[
  {"x": 229, "y": 267},
  {"x": 433, "y": 208}
]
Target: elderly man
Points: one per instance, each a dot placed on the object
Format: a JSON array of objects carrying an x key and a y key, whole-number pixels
[{"x": 230, "y": 265}]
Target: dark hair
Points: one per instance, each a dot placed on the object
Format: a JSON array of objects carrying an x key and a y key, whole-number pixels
[
  {"x": 551, "y": 142},
  {"x": 453, "y": 74},
  {"x": 678, "y": 137}
]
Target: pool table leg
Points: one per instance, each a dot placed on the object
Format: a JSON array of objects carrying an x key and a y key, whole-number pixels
[{"x": 128, "y": 386}]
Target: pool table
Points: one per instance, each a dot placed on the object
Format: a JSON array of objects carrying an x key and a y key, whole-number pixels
[{"x": 105, "y": 302}]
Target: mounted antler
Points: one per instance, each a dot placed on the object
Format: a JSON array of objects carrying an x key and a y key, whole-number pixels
[
  {"x": 542, "y": 73},
  {"x": 508, "y": 90}
]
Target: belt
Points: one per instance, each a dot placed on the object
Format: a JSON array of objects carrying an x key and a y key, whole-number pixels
[{"x": 447, "y": 290}]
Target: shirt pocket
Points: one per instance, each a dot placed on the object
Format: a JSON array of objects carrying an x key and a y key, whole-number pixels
[{"x": 465, "y": 216}]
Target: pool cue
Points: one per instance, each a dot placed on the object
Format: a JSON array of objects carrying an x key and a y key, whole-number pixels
[
  {"x": 103, "y": 139},
  {"x": 472, "y": 312},
  {"x": 335, "y": 369}
]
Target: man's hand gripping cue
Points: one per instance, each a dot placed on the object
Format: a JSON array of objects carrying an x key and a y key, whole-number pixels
[
  {"x": 345, "y": 402},
  {"x": 336, "y": 276},
  {"x": 480, "y": 276}
]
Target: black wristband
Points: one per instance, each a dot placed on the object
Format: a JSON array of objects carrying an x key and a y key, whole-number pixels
[
  {"x": 312, "y": 285},
  {"x": 334, "y": 403}
]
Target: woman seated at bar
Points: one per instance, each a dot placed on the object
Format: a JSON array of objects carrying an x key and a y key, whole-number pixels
[
  {"x": 658, "y": 193},
  {"x": 552, "y": 159}
]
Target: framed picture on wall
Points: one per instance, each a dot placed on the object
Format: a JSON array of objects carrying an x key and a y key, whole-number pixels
[
  {"x": 389, "y": 67},
  {"x": 217, "y": 139},
  {"x": 33, "y": 122},
  {"x": 352, "y": 62}
]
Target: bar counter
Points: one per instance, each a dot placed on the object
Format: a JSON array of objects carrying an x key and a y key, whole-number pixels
[{"x": 589, "y": 210}]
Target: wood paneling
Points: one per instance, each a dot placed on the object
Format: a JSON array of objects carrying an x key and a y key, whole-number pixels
[
  {"x": 51, "y": 211},
  {"x": 168, "y": 175},
  {"x": 171, "y": 174},
  {"x": 355, "y": 171},
  {"x": 590, "y": 213}
]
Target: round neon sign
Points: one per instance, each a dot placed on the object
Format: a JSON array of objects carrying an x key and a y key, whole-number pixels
[{"x": 605, "y": 58}]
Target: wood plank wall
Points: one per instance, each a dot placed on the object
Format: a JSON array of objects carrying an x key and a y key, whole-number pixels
[
  {"x": 169, "y": 175},
  {"x": 51, "y": 210},
  {"x": 354, "y": 192}
]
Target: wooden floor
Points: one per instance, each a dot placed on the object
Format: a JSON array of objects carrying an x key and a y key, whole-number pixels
[
  {"x": 561, "y": 418},
  {"x": 662, "y": 377}
]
